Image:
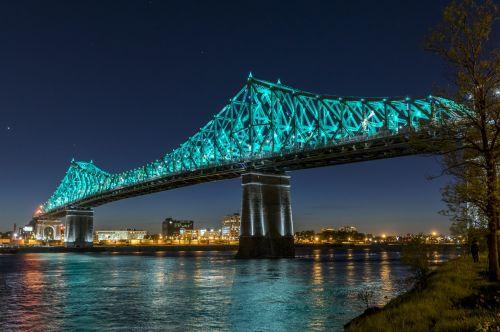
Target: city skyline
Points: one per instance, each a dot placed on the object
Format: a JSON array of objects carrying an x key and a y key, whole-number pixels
[{"x": 90, "y": 100}]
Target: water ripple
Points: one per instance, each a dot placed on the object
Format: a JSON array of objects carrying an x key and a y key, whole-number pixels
[{"x": 196, "y": 291}]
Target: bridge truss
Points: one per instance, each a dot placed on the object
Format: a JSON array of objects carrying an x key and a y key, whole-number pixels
[{"x": 265, "y": 126}]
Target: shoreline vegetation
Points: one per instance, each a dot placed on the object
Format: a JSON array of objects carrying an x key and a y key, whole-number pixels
[
  {"x": 456, "y": 296},
  {"x": 203, "y": 247}
]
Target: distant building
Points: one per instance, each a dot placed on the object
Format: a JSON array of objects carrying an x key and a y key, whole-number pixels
[
  {"x": 121, "y": 235},
  {"x": 231, "y": 225},
  {"x": 348, "y": 229},
  {"x": 5, "y": 238},
  {"x": 26, "y": 232},
  {"x": 174, "y": 228},
  {"x": 209, "y": 234}
]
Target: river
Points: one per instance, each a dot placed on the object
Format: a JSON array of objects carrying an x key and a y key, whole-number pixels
[{"x": 193, "y": 291}]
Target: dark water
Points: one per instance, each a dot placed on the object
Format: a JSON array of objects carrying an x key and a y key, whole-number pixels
[{"x": 200, "y": 291}]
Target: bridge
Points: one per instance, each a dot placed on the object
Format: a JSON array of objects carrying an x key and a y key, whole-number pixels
[{"x": 264, "y": 131}]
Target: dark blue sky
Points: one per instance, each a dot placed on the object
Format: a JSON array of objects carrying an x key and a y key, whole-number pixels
[{"x": 123, "y": 82}]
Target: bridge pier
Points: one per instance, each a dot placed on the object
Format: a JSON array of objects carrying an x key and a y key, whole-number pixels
[
  {"x": 266, "y": 217},
  {"x": 78, "y": 228},
  {"x": 47, "y": 229}
]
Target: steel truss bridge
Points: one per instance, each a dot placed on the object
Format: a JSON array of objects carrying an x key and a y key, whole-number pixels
[{"x": 267, "y": 127}]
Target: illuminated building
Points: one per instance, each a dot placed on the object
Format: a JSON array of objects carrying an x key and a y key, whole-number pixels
[
  {"x": 26, "y": 232},
  {"x": 209, "y": 234},
  {"x": 348, "y": 229},
  {"x": 175, "y": 228},
  {"x": 231, "y": 226},
  {"x": 121, "y": 235}
]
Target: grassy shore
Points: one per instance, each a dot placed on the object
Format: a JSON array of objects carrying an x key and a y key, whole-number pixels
[{"x": 454, "y": 297}]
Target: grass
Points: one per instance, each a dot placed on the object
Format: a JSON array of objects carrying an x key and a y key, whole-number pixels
[{"x": 455, "y": 297}]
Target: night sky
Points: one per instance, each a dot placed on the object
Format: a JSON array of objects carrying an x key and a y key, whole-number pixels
[{"x": 124, "y": 82}]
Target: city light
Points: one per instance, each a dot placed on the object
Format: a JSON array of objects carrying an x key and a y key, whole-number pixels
[
  {"x": 351, "y": 236},
  {"x": 183, "y": 232}
]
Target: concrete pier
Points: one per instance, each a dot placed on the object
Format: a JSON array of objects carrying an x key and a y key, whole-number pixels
[
  {"x": 266, "y": 216},
  {"x": 79, "y": 228}
]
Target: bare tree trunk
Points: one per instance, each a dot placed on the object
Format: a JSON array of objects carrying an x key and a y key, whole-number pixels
[{"x": 493, "y": 220}]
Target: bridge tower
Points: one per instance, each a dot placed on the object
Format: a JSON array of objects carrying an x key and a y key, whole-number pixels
[
  {"x": 79, "y": 227},
  {"x": 266, "y": 216}
]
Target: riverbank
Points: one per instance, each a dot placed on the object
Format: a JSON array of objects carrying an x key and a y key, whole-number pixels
[{"x": 455, "y": 297}]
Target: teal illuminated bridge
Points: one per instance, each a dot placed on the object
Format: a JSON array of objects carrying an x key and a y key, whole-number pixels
[
  {"x": 265, "y": 127},
  {"x": 265, "y": 130}
]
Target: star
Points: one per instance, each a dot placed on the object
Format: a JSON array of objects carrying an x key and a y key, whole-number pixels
[{"x": 9, "y": 128}]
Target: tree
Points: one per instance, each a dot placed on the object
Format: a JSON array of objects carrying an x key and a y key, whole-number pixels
[
  {"x": 470, "y": 147},
  {"x": 416, "y": 255},
  {"x": 467, "y": 223}
]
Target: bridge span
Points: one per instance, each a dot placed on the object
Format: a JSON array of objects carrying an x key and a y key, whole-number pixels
[{"x": 264, "y": 131}]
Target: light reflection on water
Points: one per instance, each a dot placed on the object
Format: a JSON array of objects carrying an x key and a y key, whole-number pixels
[{"x": 191, "y": 290}]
